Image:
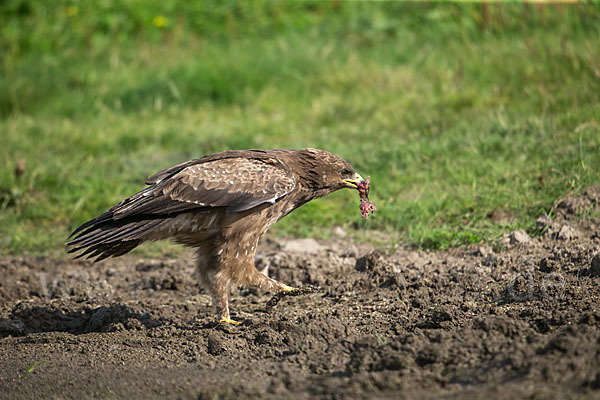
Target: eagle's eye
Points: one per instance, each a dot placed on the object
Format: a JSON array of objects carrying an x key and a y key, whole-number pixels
[{"x": 345, "y": 172}]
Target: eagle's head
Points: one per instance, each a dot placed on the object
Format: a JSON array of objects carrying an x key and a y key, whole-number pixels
[{"x": 326, "y": 171}]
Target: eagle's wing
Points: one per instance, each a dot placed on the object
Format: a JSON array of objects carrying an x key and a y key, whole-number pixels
[{"x": 236, "y": 183}]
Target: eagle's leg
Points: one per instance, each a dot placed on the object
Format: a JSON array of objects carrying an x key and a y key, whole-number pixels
[
  {"x": 220, "y": 295},
  {"x": 217, "y": 286}
]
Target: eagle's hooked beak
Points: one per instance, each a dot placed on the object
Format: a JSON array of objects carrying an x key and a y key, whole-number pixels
[{"x": 353, "y": 183}]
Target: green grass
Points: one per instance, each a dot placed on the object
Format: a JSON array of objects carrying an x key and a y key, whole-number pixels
[{"x": 471, "y": 120}]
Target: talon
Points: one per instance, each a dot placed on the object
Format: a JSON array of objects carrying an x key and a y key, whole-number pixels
[{"x": 228, "y": 320}]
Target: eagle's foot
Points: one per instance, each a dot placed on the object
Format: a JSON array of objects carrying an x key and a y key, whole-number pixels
[
  {"x": 289, "y": 291},
  {"x": 287, "y": 288},
  {"x": 228, "y": 320}
]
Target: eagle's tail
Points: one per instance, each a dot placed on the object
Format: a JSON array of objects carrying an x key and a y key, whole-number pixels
[{"x": 105, "y": 236}]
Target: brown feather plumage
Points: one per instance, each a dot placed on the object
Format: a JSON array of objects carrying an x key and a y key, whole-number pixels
[{"x": 219, "y": 204}]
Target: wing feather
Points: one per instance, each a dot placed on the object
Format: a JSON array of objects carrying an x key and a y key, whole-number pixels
[{"x": 238, "y": 183}]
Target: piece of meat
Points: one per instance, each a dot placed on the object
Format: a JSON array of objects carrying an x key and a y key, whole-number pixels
[{"x": 366, "y": 207}]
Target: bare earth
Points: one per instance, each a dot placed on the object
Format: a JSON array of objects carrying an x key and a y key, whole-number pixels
[{"x": 519, "y": 319}]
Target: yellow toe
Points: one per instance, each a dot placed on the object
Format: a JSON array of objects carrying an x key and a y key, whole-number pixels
[
  {"x": 287, "y": 288},
  {"x": 229, "y": 321}
]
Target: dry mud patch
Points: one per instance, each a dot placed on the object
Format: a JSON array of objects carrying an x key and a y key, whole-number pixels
[{"x": 517, "y": 319}]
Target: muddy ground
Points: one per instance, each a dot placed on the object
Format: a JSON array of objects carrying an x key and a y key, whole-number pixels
[{"x": 514, "y": 319}]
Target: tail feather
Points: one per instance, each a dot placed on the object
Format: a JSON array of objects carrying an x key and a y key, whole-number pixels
[
  {"x": 137, "y": 230},
  {"x": 83, "y": 253},
  {"x": 90, "y": 236},
  {"x": 107, "y": 232},
  {"x": 107, "y": 216},
  {"x": 105, "y": 237},
  {"x": 114, "y": 250}
]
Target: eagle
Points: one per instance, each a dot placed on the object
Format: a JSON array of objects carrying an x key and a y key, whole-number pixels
[{"x": 219, "y": 205}]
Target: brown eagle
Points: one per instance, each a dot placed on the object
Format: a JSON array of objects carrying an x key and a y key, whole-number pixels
[{"x": 220, "y": 205}]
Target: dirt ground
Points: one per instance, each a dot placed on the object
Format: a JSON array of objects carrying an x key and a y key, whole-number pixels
[{"x": 514, "y": 319}]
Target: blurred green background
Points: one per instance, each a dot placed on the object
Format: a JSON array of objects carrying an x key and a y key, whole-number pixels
[{"x": 471, "y": 119}]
